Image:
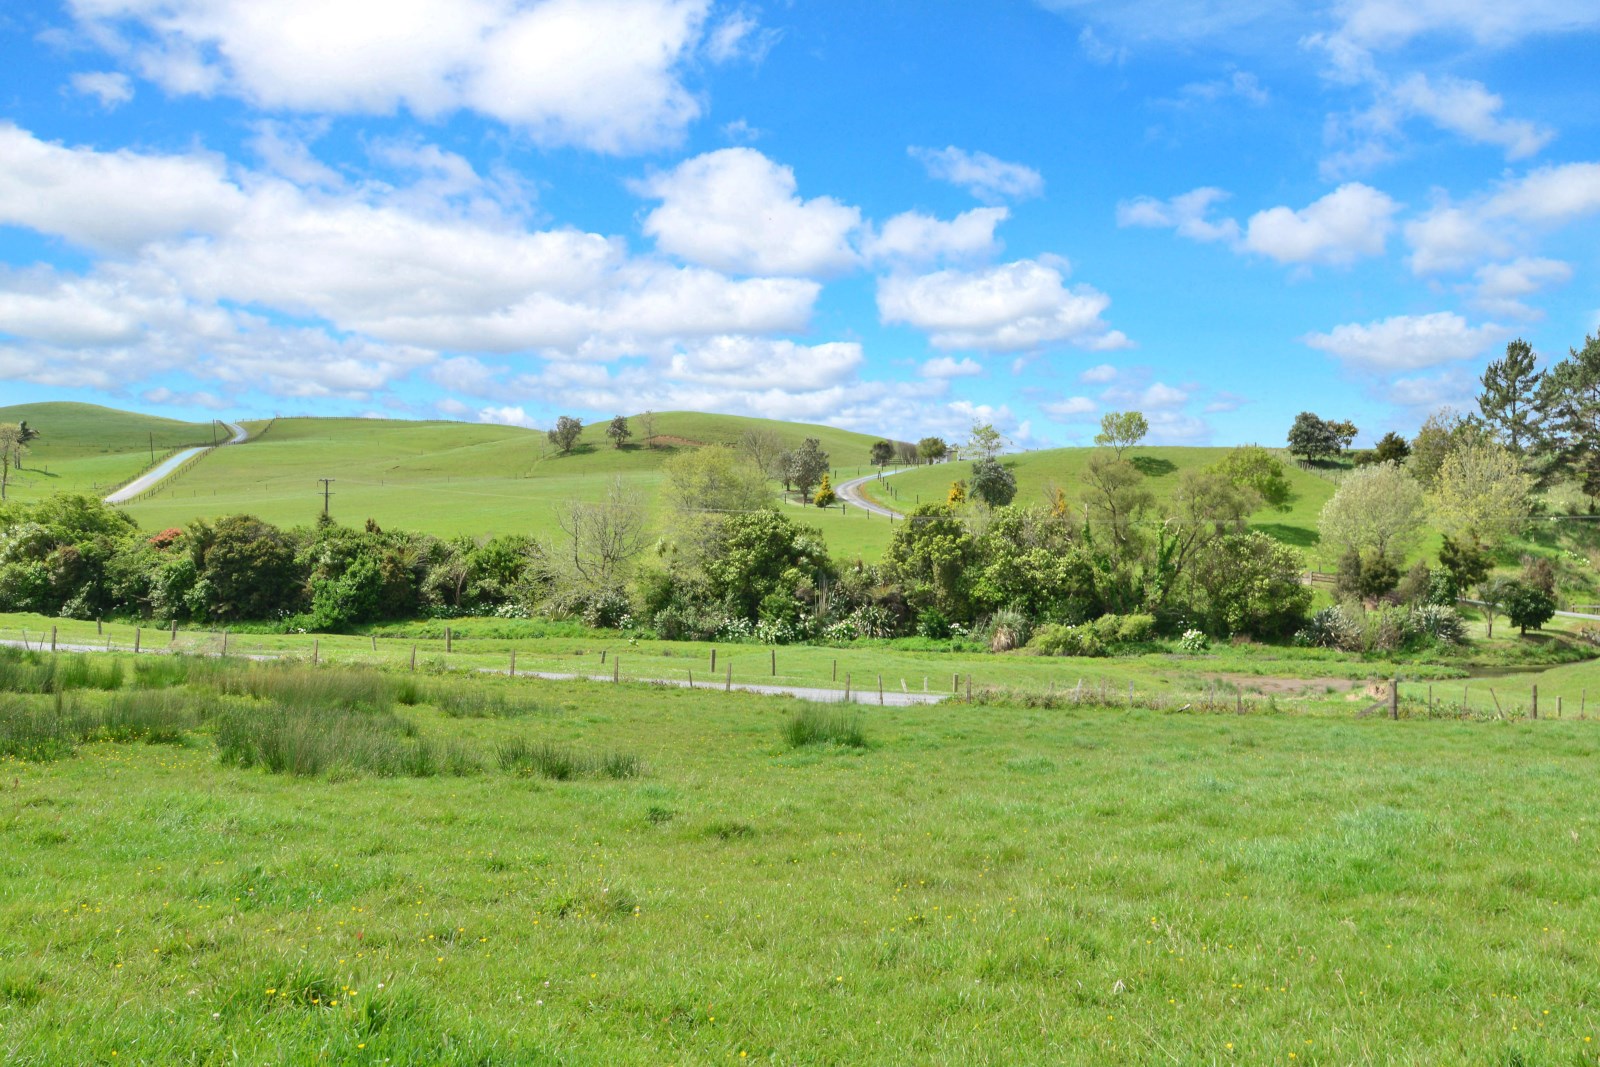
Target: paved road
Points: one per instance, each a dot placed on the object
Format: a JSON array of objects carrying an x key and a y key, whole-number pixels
[
  {"x": 889, "y": 698},
  {"x": 151, "y": 477},
  {"x": 851, "y": 492}
]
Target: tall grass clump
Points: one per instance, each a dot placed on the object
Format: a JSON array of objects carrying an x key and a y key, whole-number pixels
[
  {"x": 34, "y": 734},
  {"x": 522, "y": 757},
  {"x": 469, "y": 701},
  {"x": 49, "y": 672},
  {"x": 295, "y": 685},
  {"x": 154, "y": 716},
  {"x": 815, "y": 726},
  {"x": 162, "y": 672},
  {"x": 303, "y": 742}
]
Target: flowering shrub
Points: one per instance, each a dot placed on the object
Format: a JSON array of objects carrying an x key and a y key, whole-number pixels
[{"x": 1194, "y": 641}]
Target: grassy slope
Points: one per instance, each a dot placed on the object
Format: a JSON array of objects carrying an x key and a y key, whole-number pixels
[
  {"x": 83, "y": 446},
  {"x": 1075, "y": 887},
  {"x": 450, "y": 477},
  {"x": 1064, "y": 467}
]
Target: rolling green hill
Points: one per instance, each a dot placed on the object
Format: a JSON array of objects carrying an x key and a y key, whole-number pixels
[
  {"x": 451, "y": 477},
  {"x": 1063, "y": 467},
  {"x": 90, "y": 449}
]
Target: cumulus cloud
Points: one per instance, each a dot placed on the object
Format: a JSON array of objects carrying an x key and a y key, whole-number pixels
[
  {"x": 1352, "y": 221},
  {"x": 1499, "y": 288},
  {"x": 736, "y": 210},
  {"x": 1188, "y": 214},
  {"x": 949, "y": 367},
  {"x": 985, "y": 177},
  {"x": 1237, "y": 85},
  {"x": 740, "y": 37},
  {"x": 603, "y": 74},
  {"x": 1458, "y": 236},
  {"x": 913, "y": 237},
  {"x": 506, "y": 415},
  {"x": 1099, "y": 374},
  {"x": 111, "y": 88},
  {"x": 1011, "y": 307},
  {"x": 1071, "y": 409},
  {"x": 1405, "y": 342}
]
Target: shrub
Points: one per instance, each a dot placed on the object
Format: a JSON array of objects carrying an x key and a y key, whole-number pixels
[
  {"x": 1107, "y": 629},
  {"x": 814, "y": 726},
  {"x": 1136, "y": 628},
  {"x": 1008, "y": 629},
  {"x": 1056, "y": 639},
  {"x": 1442, "y": 624},
  {"x": 1194, "y": 641},
  {"x": 1332, "y": 628}
]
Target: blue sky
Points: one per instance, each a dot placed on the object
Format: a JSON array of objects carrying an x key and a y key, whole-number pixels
[{"x": 895, "y": 217}]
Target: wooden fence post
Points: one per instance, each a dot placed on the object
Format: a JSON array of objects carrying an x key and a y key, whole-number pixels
[
  {"x": 774, "y": 663},
  {"x": 316, "y": 651},
  {"x": 969, "y": 689},
  {"x": 616, "y": 670},
  {"x": 449, "y": 640},
  {"x": 413, "y": 657},
  {"x": 52, "y": 639},
  {"x": 513, "y": 673},
  {"x": 880, "y": 690},
  {"x": 691, "y": 677},
  {"x": 603, "y": 657},
  {"x": 374, "y": 641},
  {"x": 1534, "y": 707},
  {"x": 138, "y": 637},
  {"x": 836, "y": 670},
  {"x": 713, "y": 661},
  {"x": 174, "y": 638},
  {"x": 98, "y": 629},
  {"x": 847, "y": 687},
  {"x": 1394, "y": 699},
  {"x": 728, "y": 685}
]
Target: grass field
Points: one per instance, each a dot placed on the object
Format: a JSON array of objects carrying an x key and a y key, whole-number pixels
[
  {"x": 448, "y": 478},
  {"x": 1163, "y": 466},
  {"x": 981, "y": 886},
  {"x": 88, "y": 449}
]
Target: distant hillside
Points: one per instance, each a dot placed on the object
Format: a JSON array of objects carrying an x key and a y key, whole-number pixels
[
  {"x": 1064, "y": 467},
  {"x": 87, "y": 448}
]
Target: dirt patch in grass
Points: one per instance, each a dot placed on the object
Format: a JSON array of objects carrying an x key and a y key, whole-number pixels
[{"x": 1252, "y": 683}]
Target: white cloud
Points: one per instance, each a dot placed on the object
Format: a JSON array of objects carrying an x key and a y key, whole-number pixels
[
  {"x": 913, "y": 237},
  {"x": 1104, "y": 372},
  {"x": 1012, "y": 307},
  {"x": 195, "y": 399},
  {"x": 1499, "y": 288},
  {"x": 740, "y": 37},
  {"x": 1072, "y": 409},
  {"x": 110, "y": 87},
  {"x": 286, "y": 152},
  {"x": 1405, "y": 342},
  {"x": 602, "y": 74},
  {"x": 1392, "y": 23},
  {"x": 736, "y": 210},
  {"x": 1470, "y": 109},
  {"x": 949, "y": 367},
  {"x": 507, "y": 416},
  {"x": 1186, "y": 213},
  {"x": 1238, "y": 84},
  {"x": 756, "y": 363},
  {"x": 1454, "y": 388},
  {"x": 1177, "y": 428},
  {"x": 1162, "y": 395},
  {"x": 985, "y": 177},
  {"x": 1099, "y": 51},
  {"x": 1453, "y": 237},
  {"x": 1352, "y": 221}
]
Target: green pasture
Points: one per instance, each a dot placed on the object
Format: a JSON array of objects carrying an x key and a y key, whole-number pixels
[
  {"x": 84, "y": 448},
  {"x": 1063, "y": 468},
  {"x": 974, "y": 885}
]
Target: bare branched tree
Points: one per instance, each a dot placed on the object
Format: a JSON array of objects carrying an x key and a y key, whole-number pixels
[
  {"x": 602, "y": 537},
  {"x": 765, "y": 450}
]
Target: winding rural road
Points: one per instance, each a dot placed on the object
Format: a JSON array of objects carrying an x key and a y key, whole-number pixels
[
  {"x": 851, "y": 493},
  {"x": 152, "y": 477}
]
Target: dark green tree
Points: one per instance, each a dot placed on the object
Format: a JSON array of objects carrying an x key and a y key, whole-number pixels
[
  {"x": 1467, "y": 562},
  {"x": 618, "y": 431},
  {"x": 991, "y": 484},
  {"x": 1527, "y": 606},
  {"x": 1569, "y": 401},
  {"x": 1312, "y": 437},
  {"x": 806, "y": 465},
  {"x": 1510, "y": 398},
  {"x": 932, "y": 449},
  {"x": 566, "y": 433},
  {"x": 1392, "y": 448},
  {"x": 882, "y": 453}
]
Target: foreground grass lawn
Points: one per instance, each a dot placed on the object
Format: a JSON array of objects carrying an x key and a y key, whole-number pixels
[{"x": 978, "y": 885}]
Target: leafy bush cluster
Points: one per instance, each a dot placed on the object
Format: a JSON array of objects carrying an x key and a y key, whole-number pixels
[
  {"x": 1092, "y": 638},
  {"x": 1386, "y": 629}
]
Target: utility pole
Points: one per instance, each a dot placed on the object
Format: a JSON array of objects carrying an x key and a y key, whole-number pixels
[
  {"x": 152, "y": 446},
  {"x": 326, "y": 482},
  {"x": 213, "y": 433}
]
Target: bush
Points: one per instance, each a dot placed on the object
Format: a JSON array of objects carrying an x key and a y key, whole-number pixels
[
  {"x": 1332, "y": 628},
  {"x": 1107, "y": 629},
  {"x": 1056, "y": 639},
  {"x": 1008, "y": 629},
  {"x": 1438, "y": 623},
  {"x": 1136, "y": 628},
  {"x": 1194, "y": 641}
]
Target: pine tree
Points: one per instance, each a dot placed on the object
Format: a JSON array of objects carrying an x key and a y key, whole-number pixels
[
  {"x": 825, "y": 495},
  {"x": 1569, "y": 401},
  {"x": 1510, "y": 397},
  {"x": 958, "y": 493}
]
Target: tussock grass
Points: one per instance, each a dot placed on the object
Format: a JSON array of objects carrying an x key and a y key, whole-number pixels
[
  {"x": 545, "y": 760},
  {"x": 34, "y": 734},
  {"x": 296, "y": 685},
  {"x": 816, "y": 726},
  {"x": 306, "y": 743},
  {"x": 44, "y": 672}
]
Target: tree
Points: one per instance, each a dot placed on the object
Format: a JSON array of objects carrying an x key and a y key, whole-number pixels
[
  {"x": 1482, "y": 494},
  {"x": 1312, "y": 437},
  {"x": 1247, "y": 583},
  {"x": 1510, "y": 398},
  {"x": 1493, "y": 592},
  {"x": 647, "y": 423},
  {"x": 1569, "y": 398},
  {"x": 932, "y": 449},
  {"x": 714, "y": 478},
  {"x": 882, "y": 453},
  {"x": 566, "y": 433},
  {"x": 1442, "y": 432},
  {"x": 905, "y": 453},
  {"x": 1344, "y": 433},
  {"x": 991, "y": 484},
  {"x": 765, "y": 449},
  {"x": 1466, "y": 561},
  {"x": 761, "y": 558},
  {"x": 807, "y": 465},
  {"x": 25, "y": 436},
  {"x": 957, "y": 494},
  {"x": 10, "y": 447},
  {"x": 1253, "y": 467},
  {"x": 1392, "y": 448},
  {"x": 1527, "y": 606},
  {"x": 984, "y": 442},
  {"x": 618, "y": 431},
  {"x": 602, "y": 538},
  {"x": 1120, "y": 430},
  {"x": 825, "y": 497},
  {"x": 1378, "y": 509}
]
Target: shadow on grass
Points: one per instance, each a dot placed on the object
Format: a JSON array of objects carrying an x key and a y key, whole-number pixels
[
  {"x": 1298, "y": 536},
  {"x": 1152, "y": 466}
]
